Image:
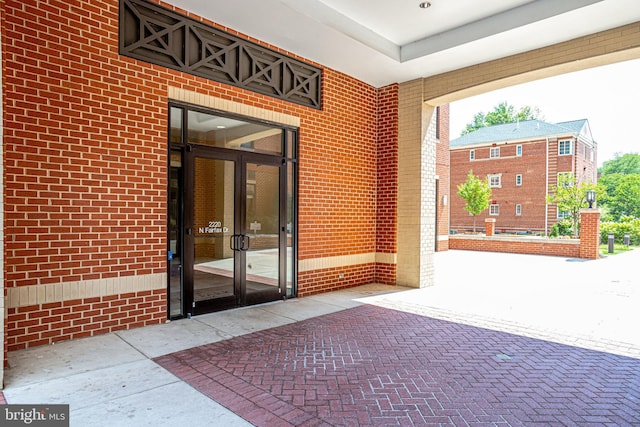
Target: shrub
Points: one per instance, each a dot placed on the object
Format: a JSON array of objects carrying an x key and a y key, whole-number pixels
[
  {"x": 562, "y": 228},
  {"x": 626, "y": 225}
]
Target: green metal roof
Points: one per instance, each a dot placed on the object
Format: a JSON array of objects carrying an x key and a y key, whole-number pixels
[{"x": 530, "y": 129}]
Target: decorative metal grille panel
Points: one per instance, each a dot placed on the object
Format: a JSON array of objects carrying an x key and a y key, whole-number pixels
[{"x": 160, "y": 36}]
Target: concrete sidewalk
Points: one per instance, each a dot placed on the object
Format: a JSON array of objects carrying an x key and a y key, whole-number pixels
[
  {"x": 589, "y": 303},
  {"x": 114, "y": 380}
]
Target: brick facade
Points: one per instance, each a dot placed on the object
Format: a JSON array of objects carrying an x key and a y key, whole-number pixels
[
  {"x": 52, "y": 322},
  {"x": 86, "y": 164},
  {"x": 525, "y": 180},
  {"x": 387, "y": 170}
]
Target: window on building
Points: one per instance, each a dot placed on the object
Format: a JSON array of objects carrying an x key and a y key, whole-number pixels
[
  {"x": 494, "y": 152},
  {"x": 519, "y": 179},
  {"x": 562, "y": 215},
  {"x": 494, "y": 210},
  {"x": 495, "y": 181},
  {"x": 472, "y": 154},
  {"x": 591, "y": 152},
  {"x": 565, "y": 147},
  {"x": 565, "y": 178},
  {"x": 518, "y": 210},
  {"x": 518, "y": 150}
]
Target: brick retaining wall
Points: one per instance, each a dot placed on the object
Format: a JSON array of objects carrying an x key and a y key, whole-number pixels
[
  {"x": 586, "y": 247},
  {"x": 517, "y": 245}
]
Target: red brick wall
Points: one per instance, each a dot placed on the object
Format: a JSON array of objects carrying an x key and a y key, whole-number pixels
[
  {"x": 337, "y": 191},
  {"x": 565, "y": 248},
  {"x": 586, "y": 170},
  {"x": 331, "y": 279},
  {"x": 387, "y": 180},
  {"x": 86, "y": 161},
  {"x": 47, "y": 323},
  {"x": 443, "y": 172},
  {"x": 587, "y": 247},
  {"x": 579, "y": 164},
  {"x": 531, "y": 194}
]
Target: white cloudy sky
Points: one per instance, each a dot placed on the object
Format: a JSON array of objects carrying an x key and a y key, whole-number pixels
[{"x": 608, "y": 96}]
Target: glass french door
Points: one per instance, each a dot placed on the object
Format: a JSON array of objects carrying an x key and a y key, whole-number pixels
[
  {"x": 234, "y": 231},
  {"x": 231, "y": 211}
]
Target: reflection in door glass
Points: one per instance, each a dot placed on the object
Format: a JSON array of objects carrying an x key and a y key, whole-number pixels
[
  {"x": 213, "y": 192},
  {"x": 262, "y": 225},
  {"x": 175, "y": 134},
  {"x": 215, "y": 131},
  {"x": 290, "y": 227},
  {"x": 175, "y": 239}
]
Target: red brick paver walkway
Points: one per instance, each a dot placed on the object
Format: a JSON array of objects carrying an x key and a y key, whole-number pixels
[{"x": 374, "y": 366}]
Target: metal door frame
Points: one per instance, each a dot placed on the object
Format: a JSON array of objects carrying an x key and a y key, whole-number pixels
[{"x": 240, "y": 159}]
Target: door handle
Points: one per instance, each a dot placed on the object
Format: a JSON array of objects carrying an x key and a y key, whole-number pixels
[
  {"x": 239, "y": 242},
  {"x": 245, "y": 239}
]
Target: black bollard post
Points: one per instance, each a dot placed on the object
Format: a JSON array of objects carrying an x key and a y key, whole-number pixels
[{"x": 611, "y": 238}]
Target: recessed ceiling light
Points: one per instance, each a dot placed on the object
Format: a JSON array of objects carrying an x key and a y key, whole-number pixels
[{"x": 425, "y": 5}]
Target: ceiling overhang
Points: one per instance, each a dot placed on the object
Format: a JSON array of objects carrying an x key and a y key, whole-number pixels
[
  {"x": 382, "y": 42},
  {"x": 510, "y": 19}
]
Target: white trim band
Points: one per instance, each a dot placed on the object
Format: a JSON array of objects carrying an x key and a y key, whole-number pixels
[
  {"x": 231, "y": 106},
  {"x": 25, "y": 296},
  {"x": 346, "y": 261}
]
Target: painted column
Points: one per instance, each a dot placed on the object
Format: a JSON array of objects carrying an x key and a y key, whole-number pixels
[{"x": 416, "y": 187}]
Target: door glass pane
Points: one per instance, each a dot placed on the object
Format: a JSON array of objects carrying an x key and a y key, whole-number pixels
[
  {"x": 291, "y": 144},
  {"x": 262, "y": 228},
  {"x": 175, "y": 136},
  {"x": 290, "y": 228},
  {"x": 216, "y": 131},
  {"x": 213, "y": 194},
  {"x": 175, "y": 239}
]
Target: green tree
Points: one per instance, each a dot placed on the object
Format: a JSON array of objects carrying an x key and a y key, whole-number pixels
[
  {"x": 619, "y": 179},
  {"x": 477, "y": 195},
  {"x": 608, "y": 183},
  {"x": 625, "y": 164},
  {"x": 502, "y": 113},
  {"x": 624, "y": 198},
  {"x": 570, "y": 196}
]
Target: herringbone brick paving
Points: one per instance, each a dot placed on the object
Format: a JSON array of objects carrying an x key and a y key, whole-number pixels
[{"x": 372, "y": 366}]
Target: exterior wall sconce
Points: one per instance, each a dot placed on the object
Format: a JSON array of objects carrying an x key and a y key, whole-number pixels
[
  {"x": 591, "y": 198},
  {"x": 444, "y": 200}
]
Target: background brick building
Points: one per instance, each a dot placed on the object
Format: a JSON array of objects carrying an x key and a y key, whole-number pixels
[{"x": 522, "y": 162}]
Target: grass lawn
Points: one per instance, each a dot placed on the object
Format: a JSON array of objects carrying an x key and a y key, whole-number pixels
[{"x": 617, "y": 249}]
